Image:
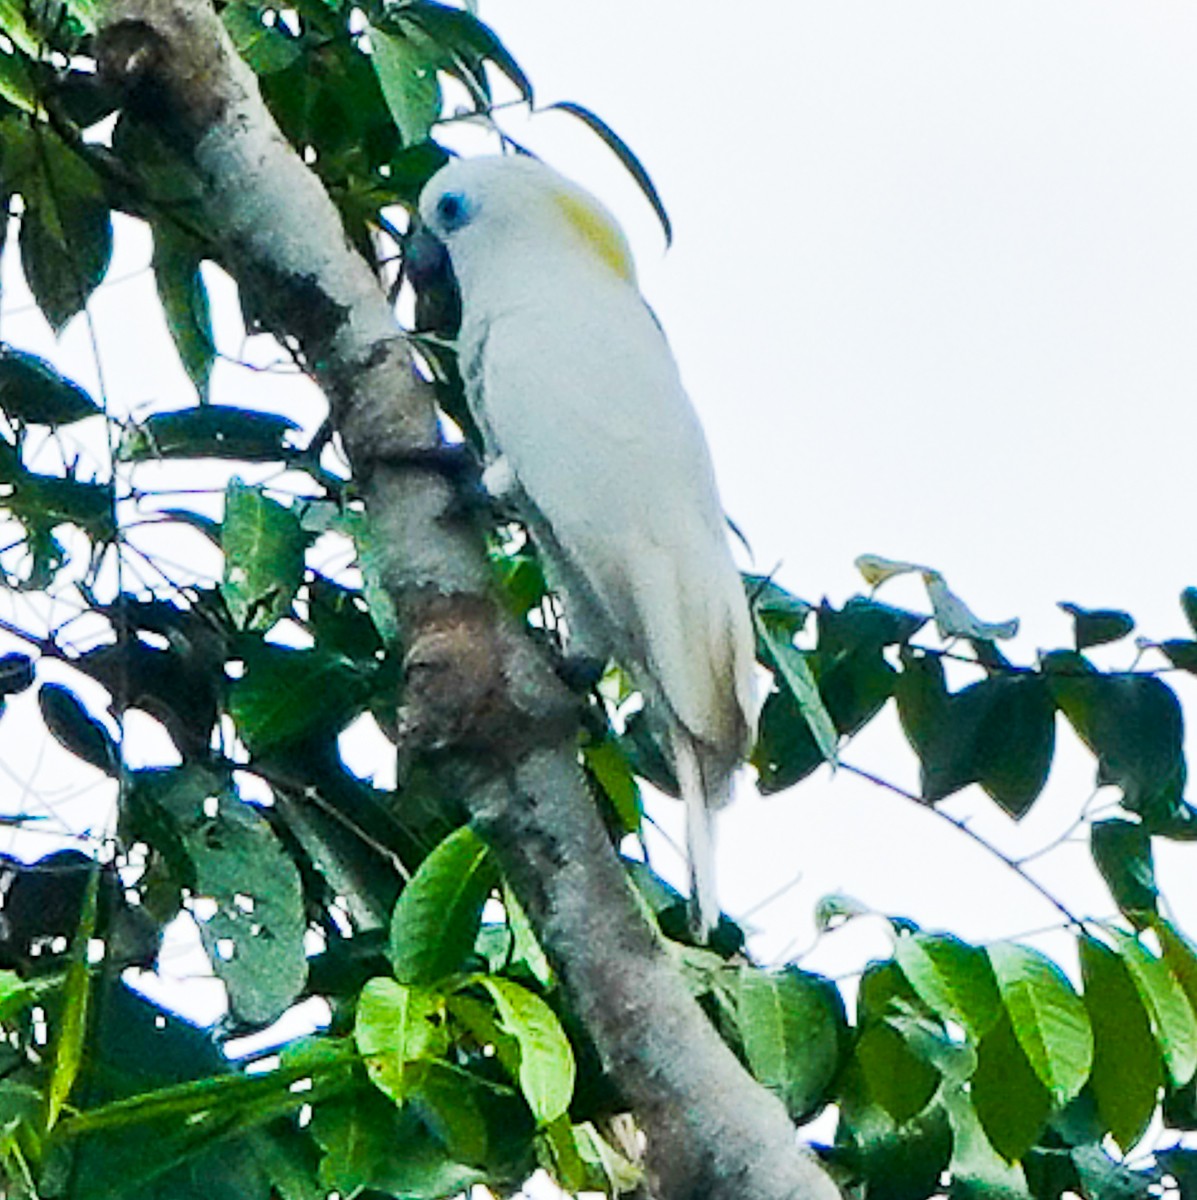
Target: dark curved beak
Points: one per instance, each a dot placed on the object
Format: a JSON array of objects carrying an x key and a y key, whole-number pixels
[{"x": 427, "y": 266}]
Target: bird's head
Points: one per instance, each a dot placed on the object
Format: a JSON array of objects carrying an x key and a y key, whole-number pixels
[{"x": 519, "y": 203}]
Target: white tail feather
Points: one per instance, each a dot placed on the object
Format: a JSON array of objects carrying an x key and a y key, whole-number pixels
[{"x": 700, "y": 832}]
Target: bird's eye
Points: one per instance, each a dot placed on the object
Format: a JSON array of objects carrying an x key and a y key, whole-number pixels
[{"x": 452, "y": 211}]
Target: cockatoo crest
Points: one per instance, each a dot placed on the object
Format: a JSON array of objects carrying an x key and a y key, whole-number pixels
[{"x": 599, "y": 231}]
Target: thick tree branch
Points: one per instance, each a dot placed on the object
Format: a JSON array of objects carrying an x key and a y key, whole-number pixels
[{"x": 479, "y": 699}]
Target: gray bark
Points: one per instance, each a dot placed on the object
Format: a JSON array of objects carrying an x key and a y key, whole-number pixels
[{"x": 479, "y": 699}]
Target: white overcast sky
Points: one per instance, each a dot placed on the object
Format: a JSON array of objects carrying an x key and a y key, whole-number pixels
[{"x": 934, "y": 293}]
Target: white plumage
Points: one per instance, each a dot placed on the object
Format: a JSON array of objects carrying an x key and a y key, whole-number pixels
[{"x": 588, "y": 429}]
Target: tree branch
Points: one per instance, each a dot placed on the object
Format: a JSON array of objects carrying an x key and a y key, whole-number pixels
[{"x": 479, "y": 702}]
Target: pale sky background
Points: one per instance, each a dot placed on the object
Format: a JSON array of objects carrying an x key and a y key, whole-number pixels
[{"x": 934, "y": 293}]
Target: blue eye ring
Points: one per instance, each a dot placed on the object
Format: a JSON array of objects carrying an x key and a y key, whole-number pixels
[{"x": 452, "y": 210}]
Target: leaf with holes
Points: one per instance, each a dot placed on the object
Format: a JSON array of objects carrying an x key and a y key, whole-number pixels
[
  {"x": 254, "y": 938},
  {"x": 396, "y": 1026},
  {"x": 264, "y": 547}
]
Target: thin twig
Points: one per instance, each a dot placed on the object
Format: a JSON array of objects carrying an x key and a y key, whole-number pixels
[{"x": 963, "y": 827}]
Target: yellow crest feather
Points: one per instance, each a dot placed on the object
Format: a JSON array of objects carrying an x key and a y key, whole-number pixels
[{"x": 599, "y": 232}]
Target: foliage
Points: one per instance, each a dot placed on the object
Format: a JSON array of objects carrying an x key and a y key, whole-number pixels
[{"x": 450, "y": 1057}]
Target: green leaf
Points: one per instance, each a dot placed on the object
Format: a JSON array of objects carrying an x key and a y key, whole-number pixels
[
  {"x": 370, "y": 1145},
  {"x": 70, "y": 1044},
  {"x": 437, "y": 917},
  {"x": 1133, "y": 725},
  {"x": 210, "y": 431},
  {"x": 76, "y": 729},
  {"x": 66, "y": 231},
  {"x": 952, "y": 978},
  {"x": 31, "y": 390},
  {"x": 999, "y": 732},
  {"x": 184, "y": 297},
  {"x": 1172, "y": 1018},
  {"x": 1181, "y": 653},
  {"x": 274, "y": 702},
  {"x": 264, "y": 548},
  {"x": 607, "y": 762},
  {"x": 16, "y": 673},
  {"x": 1122, "y": 851},
  {"x": 1127, "y": 1073},
  {"x": 254, "y": 938},
  {"x": 397, "y": 1026},
  {"x": 789, "y": 663},
  {"x": 409, "y": 84},
  {"x": 1180, "y": 955},
  {"x": 267, "y": 48},
  {"x": 791, "y": 1024},
  {"x": 1010, "y": 1100},
  {"x": 1097, "y": 626},
  {"x": 1188, "y": 602},
  {"x": 977, "y": 1171},
  {"x": 1047, "y": 1018},
  {"x": 623, "y": 152},
  {"x": 896, "y": 1077},
  {"x": 546, "y": 1070}
]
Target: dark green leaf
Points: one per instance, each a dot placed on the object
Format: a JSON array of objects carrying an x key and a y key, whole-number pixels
[
  {"x": 439, "y": 911},
  {"x": 1133, "y": 725},
  {"x": 895, "y": 1076},
  {"x": 462, "y": 34},
  {"x": 789, "y": 665},
  {"x": 1127, "y": 1073},
  {"x": 792, "y": 1026},
  {"x": 896, "y": 1162},
  {"x": 1181, "y": 653},
  {"x": 31, "y": 390},
  {"x": 784, "y": 610},
  {"x": 1188, "y": 602},
  {"x": 1010, "y": 1101},
  {"x": 612, "y": 772},
  {"x": 1122, "y": 851},
  {"x": 264, "y": 546},
  {"x": 1096, "y": 626},
  {"x": 184, "y": 298},
  {"x": 16, "y": 673},
  {"x": 340, "y": 620},
  {"x": 369, "y": 1144},
  {"x": 1181, "y": 1163},
  {"x": 76, "y": 729},
  {"x": 854, "y": 681},
  {"x": 1101, "y": 1178},
  {"x": 267, "y": 48},
  {"x": 999, "y": 732},
  {"x": 210, "y": 431},
  {"x": 288, "y": 696},
  {"x": 66, "y": 232},
  {"x": 70, "y": 1046},
  {"x": 623, "y": 152}
]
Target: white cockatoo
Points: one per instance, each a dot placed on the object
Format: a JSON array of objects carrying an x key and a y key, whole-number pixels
[{"x": 588, "y": 430}]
